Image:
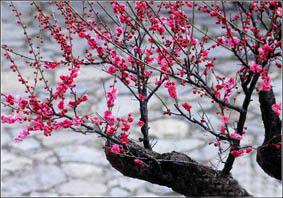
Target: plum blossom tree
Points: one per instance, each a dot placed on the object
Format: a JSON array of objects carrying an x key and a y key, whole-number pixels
[{"x": 153, "y": 46}]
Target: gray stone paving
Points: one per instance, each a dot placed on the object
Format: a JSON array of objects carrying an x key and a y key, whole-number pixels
[{"x": 71, "y": 164}]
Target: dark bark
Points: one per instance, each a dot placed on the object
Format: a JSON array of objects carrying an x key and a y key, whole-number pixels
[
  {"x": 174, "y": 170},
  {"x": 268, "y": 156},
  {"x": 241, "y": 123}
]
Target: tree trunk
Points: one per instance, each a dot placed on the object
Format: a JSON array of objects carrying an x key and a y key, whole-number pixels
[
  {"x": 174, "y": 170},
  {"x": 268, "y": 155}
]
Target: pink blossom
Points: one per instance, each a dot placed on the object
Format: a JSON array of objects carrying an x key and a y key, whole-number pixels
[
  {"x": 118, "y": 7},
  {"x": 47, "y": 129},
  {"x": 222, "y": 128},
  {"x": 111, "y": 97},
  {"x": 51, "y": 65},
  {"x": 22, "y": 103},
  {"x": 171, "y": 87},
  {"x": 66, "y": 123},
  {"x": 172, "y": 91},
  {"x": 130, "y": 118},
  {"x": 109, "y": 117},
  {"x": 131, "y": 59},
  {"x": 18, "y": 118},
  {"x": 164, "y": 65},
  {"x": 227, "y": 99},
  {"x": 150, "y": 40},
  {"x": 187, "y": 106},
  {"x": 10, "y": 99},
  {"x": 139, "y": 163},
  {"x": 100, "y": 50},
  {"x": 224, "y": 119},
  {"x": 189, "y": 4},
  {"x": 141, "y": 97},
  {"x": 111, "y": 70},
  {"x": 111, "y": 130},
  {"x": 148, "y": 52},
  {"x": 22, "y": 135},
  {"x": 61, "y": 104},
  {"x": 265, "y": 83},
  {"x": 256, "y": 68},
  {"x": 138, "y": 50},
  {"x": 236, "y": 136},
  {"x": 279, "y": 11},
  {"x": 204, "y": 52},
  {"x": 84, "y": 98},
  {"x": 273, "y": 3},
  {"x": 276, "y": 108},
  {"x": 8, "y": 119},
  {"x": 125, "y": 125},
  {"x": 72, "y": 104},
  {"x": 267, "y": 48},
  {"x": 233, "y": 41},
  {"x": 115, "y": 149},
  {"x": 95, "y": 120},
  {"x": 124, "y": 138},
  {"x": 140, "y": 123},
  {"x": 218, "y": 86},
  {"x": 209, "y": 64},
  {"x": 231, "y": 81},
  {"x": 119, "y": 31},
  {"x": 77, "y": 121},
  {"x": 217, "y": 94},
  {"x": 248, "y": 150},
  {"x": 261, "y": 51},
  {"x": 83, "y": 34},
  {"x": 221, "y": 40},
  {"x": 92, "y": 42},
  {"x": 237, "y": 153},
  {"x": 106, "y": 36},
  {"x": 147, "y": 73}
]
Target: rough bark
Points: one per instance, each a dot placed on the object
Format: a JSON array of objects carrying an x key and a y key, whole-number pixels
[
  {"x": 174, "y": 170},
  {"x": 268, "y": 156}
]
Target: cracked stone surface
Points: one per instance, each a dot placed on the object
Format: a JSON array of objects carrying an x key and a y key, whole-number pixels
[{"x": 71, "y": 164}]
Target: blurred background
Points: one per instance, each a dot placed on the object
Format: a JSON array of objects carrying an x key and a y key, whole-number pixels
[{"x": 72, "y": 164}]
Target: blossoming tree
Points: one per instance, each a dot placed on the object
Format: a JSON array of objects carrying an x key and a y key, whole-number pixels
[{"x": 153, "y": 46}]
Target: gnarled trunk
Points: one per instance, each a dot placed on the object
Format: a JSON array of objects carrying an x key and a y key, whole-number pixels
[
  {"x": 268, "y": 155},
  {"x": 174, "y": 170}
]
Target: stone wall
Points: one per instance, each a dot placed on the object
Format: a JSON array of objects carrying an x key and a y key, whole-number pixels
[{"x": 71, "y": 164}]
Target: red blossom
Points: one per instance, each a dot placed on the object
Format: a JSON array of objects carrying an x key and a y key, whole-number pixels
[
  {"x": 276, "y": 108},
  {"x": 139, "y": 163},
  {"x": 10, "y": 99},
  {"x": 140, "y": 123},
  {"x": 141, "y": 97},
  {"x": 124, "y": 138},
  {"x": 256, "y": 68},
  {"x": 187, "y": 106},
  {"x": 22, "y": 103},
  {"x": 237, "y": 153},
  {"x": 224, "y": 119},
  {"x": 111, "y": 97},
  {"x": 51, "y": 65},
  {"x": 115, "y": 148},
  {"x": 236, "y": 136}
]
